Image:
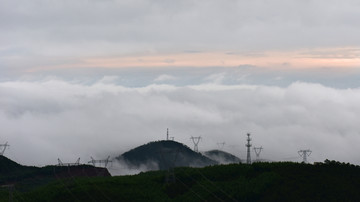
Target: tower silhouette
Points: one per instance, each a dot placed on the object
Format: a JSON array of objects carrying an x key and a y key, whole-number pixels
[
  {"x": 3, "y": 146},
  {"x": 258, "y": 151},
  {"x": 248, "y": 145},
  {"x": 304, "y": 154},
  {"x": 196, "y": 141}
]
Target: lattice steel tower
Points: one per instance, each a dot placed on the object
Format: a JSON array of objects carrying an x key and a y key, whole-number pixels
[
  {"x": 248, "y": 145},
  {"x": 3, "y": 146},
  {"x": 101, "y": 162},
  {"x": 258, "y": 151},
  {"x": 304, "y": 154},
  {"x": 221, "y": 145},
  {"x": 196, "y": 141}
]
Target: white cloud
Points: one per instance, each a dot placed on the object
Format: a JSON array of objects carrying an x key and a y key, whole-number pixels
[
  {"x": 216, "y": 78},
  {"x": 164, "y": 77},
  {"x": 109, "y": 79},
  {"x": 53, "y": 119}
]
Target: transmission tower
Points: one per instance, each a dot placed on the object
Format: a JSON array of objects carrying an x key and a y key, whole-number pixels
[
  {"x": 248, "y": 145},
  {"x": 258, "y": 151},
  {"x": 100, "y": 162},
  {"x": 304, "y": 154},
  {"x": 60, "y": 163},
  {"x": 170, "y": 161},
  {"x": 196, "y": 141},
  {"x": 3, "y": 146},
  {"x": 221, "y": 145}
]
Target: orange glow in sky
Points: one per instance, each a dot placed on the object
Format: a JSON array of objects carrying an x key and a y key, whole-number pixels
[{"x": 336, "y": 57}]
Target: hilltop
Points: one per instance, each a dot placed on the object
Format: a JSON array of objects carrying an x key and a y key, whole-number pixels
[
  {"x": 28, "y": 177},
  {"x": 163, "y": 155}
]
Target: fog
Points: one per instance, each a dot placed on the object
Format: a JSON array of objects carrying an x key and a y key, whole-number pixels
[{"x": 54, "y": 118}]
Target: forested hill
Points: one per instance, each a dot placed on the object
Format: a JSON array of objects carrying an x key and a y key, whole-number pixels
[
  {"x": 8, "y": 166},
  {"x": 30, "y": 177},
  {"x": 163, "y": 155},
  {"x": 284, "y": 181}
]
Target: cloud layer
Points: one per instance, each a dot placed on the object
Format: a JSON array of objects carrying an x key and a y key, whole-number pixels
[
  {"x": 51, "y": 119},
  {"x": 42, "y": 33}
]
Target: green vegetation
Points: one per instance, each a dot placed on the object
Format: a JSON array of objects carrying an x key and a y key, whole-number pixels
[{"x": 283, "y": 181}]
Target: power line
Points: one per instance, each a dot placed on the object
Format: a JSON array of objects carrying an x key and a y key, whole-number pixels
[
  {"x": 215, "y": 185},
  {"x": 202, "y": 186},
  {"x": 170, "y": 163},
  {"x": 196, "y": 194}
]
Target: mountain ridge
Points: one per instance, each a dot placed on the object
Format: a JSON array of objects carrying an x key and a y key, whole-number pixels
[{"x": 164, "y": 154}]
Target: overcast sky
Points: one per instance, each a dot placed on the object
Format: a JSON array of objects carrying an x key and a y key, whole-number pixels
[{"x": 92, "y": 78}]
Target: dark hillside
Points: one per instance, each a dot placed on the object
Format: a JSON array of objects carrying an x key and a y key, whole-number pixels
[
  {"x": 329, "y": 181},
  {"x": 163, "y": 155},
  {"x": 8, "y": 166},
  {"x": 28, "y": 177},
  {"x": 11, "y": 171}
]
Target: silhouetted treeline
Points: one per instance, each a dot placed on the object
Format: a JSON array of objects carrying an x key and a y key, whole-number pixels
[{"x": 282, "y": 181}]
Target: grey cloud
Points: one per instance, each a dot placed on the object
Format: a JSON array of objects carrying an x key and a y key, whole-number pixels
[
  {"x": 58, "y": 119},
  {"x": 87, "y": 28}
]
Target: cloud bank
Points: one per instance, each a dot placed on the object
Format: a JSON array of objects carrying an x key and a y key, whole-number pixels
[
  {"x": 41, "y": 33},
  {"x": 53, "y": 118}
]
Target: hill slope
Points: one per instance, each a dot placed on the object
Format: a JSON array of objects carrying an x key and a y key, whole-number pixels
[
  {"x": 222, "y": 157},
  {"x": 28, "y": 177},
  {"x": 330, "y": 181},
  {"x": 163, "y": 155}
]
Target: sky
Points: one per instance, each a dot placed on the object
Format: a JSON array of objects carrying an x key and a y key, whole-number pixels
[{"x": 96, "y": 78}]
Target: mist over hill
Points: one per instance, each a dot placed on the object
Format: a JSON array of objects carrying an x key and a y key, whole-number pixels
[
  {"x": 222, "y": 157},
  {"x": 163, "y": 155}
]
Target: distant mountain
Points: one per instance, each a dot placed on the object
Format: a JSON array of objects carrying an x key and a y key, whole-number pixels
[
  {"x": 222, "y": 157},
  {"x": 163, "y": 155}
]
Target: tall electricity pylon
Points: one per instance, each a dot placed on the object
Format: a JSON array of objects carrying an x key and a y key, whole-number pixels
[
  {"x": 60, "y": 163},
  {"x": 304, "y": 154},
  {"x": 100, "y": 162},
  {"x": 169, "y": 157},
  {"x": 4, "y": 146},
  {"x": 221, "y": 145},
  {"x": 258, "y": 151},
  {"x": 196, "y": 141},
  {"x": 248, "y": 145}
]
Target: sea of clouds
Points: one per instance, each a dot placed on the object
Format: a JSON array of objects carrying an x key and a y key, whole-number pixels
[{"x": 55, "y": 118}]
